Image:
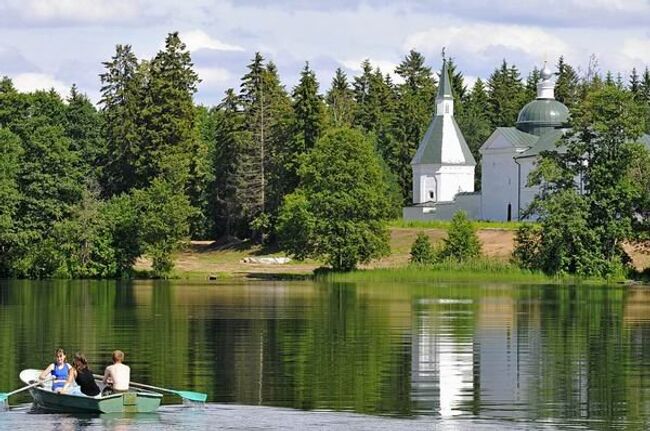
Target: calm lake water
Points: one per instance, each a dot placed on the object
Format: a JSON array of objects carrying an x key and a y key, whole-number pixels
[{"x": 344, "y": 356}]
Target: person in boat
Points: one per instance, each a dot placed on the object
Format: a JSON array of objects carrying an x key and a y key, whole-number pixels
[
  {"x": 80, "y": 374},
  {"x": 59, "y": 370},
  {"x": 117, "y": 376}
]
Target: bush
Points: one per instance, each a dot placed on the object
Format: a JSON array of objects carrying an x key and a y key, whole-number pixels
[
  {"x": 461, "y": 242},
  {"x": 421, "y": 251}
]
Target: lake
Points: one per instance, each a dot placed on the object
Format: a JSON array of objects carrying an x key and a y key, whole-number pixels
[{"x": 344, "y": 356}]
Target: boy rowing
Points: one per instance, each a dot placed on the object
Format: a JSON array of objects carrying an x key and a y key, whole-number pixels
[{"x": 118, "y": 375}]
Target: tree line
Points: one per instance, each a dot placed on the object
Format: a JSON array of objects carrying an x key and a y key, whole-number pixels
[{"x": 87, "y": 190}]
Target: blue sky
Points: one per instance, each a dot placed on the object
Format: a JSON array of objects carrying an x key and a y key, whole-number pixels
[{"x": 54, "y": 43}]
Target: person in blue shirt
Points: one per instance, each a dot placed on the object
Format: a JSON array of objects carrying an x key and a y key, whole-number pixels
[{"x": 59, "y": 370}]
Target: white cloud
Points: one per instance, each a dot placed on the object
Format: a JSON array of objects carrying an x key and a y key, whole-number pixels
[
  {"x": 84, "y": 11},
  {"x": 213, "y": 75},
  {"x": 198, "y": 39},
  {"x": 27, "y": 82},
  {"x": 484, "y": 40},
  {"x": 637, "y": 50}
]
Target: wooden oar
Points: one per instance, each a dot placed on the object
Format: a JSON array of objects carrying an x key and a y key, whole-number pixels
[
  {"x": 5, "y": 395},
  {"x": 188, "y": 395}
]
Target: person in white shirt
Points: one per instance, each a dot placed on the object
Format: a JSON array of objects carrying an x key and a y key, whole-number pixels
[{"x": 118, "y": 375}]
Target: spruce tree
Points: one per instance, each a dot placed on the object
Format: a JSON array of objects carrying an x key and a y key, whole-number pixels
[
  {"x": 531, "y": 83},
  {"x": 267, "y": 115},
  {"x": 168, "y": 116},
  {"x": 506, "y": 95},
  {"x": 230, "y": 135},
  {"x": 340, "y": 101},
  {"x": 475, "y": 124},
  {"x": 567, "y": 84},
  {"x": 634, "y": 82},
  {"x": 84, "y": 125},
  {"x": 308, "y": 114},
  {"x": 415, "y": 105},
  {"x": 121, "y": 95}
]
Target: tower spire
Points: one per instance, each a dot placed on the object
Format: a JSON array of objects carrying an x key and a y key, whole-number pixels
[{"x": 444, "y": 97}]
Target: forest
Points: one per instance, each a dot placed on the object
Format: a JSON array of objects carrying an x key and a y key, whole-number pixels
[{"x": 86, "y": 189}]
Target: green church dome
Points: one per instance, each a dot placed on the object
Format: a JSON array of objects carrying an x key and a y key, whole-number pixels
[{"x": 542, "y": 115}]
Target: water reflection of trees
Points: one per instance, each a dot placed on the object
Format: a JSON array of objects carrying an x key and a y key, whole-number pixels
[{"x": 561, "y": 353}]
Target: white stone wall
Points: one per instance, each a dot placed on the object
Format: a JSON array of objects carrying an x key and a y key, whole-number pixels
[
  {"x": 470, "y": 203},
  {"x": 499, "y": 181},
  {"x": 527, "y": 193},
  {"x": 454, "y": 179}
]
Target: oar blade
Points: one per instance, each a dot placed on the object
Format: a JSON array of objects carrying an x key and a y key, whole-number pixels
[{"x": 193, "y": 396}]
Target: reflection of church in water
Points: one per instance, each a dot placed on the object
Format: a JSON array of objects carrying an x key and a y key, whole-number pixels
[{"x": 468, "y": 358}]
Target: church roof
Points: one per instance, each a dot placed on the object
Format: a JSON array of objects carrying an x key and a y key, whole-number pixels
[
  {"x": 541, "y": 115},
  {"x": 444, "y": 86},
  {"x": 547, "y": 142},
  {"x": 430, "y": 150},
  {"x": 518, "y": 138}
]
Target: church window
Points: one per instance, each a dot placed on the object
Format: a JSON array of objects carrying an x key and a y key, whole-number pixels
[
  {"x": 430, "y": 194},
  {"x": 446, "y": 108}
]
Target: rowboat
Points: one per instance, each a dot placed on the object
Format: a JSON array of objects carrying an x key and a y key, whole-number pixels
[{"x": 133, "y": 401}]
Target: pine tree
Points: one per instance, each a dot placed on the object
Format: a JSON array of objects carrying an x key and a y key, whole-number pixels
[
  {"x": 567, "y": 84},
  {"x": 475, "y": 124},
  {"x": 531, "y": 83},
  {"x": 201, "y": 174},
  {"x": 83, "y": 125},
  {"x": 415, "y": 104},
  {"x": 168, "y": 116},
  {"x": 506, "y": 95},
  {"x": 266, "y": 109},
  {"x": 308, "y": 114},
  {"x": 121, "y": 95},
  {"x": 230, "y": 135},
  {"x": 340, "y": 101},
  {"x": 634, "y": 82}
]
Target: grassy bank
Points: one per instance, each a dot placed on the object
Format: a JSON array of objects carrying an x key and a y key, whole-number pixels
[
  {"x": 444, "y": 224},
  {"x": 475, "y": 270}
]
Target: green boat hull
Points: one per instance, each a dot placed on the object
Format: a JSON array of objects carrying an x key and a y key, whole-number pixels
[{"x": 129, "y": 402}]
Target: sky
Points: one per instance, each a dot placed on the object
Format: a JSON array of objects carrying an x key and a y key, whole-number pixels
[{"x": 55, "y": 43}]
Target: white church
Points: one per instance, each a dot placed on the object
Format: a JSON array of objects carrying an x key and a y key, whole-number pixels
[{"x": 443, "y": 166}]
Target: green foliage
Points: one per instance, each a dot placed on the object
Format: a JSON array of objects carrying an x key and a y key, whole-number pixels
[
  {"x": 340, "y": 101},
  {"x": 266, "y": 111},
  {"x": 567, "y": 84},
  {"x": 461, "y": 242},
  {"x": 474, "y": 121},
  {"x": 121, "y": 98},
  {"x": 297, "y": 224},
  {"x": 12, "y": 152},
  {"x": 338, "y": 213},
  {"x": 415, "y": 104},
  {"x": 166, "y": 213},
  {"x": 124, "y": 223},
  {"x": 506, "y": 95},
  {"x": 421, "y": 251}
]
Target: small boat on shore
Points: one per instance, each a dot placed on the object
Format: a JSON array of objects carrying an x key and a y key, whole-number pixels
[{"x": 133, "y": 401}]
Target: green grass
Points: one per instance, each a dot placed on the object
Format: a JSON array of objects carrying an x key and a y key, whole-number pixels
[
  {"x": 474, "y": 270},
  {"x": 444, "y": 224}
]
